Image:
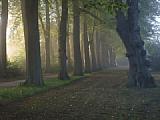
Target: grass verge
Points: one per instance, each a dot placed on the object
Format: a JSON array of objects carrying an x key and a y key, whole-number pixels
[{"x": 19, "y": 92}]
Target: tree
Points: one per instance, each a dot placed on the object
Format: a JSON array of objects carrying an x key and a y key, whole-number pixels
[
  {"x": 78, "y": 69},
  {"x": 3, "y": 31},
  {"x": 86, "y": 45},
  {"x": 32, "y": 44},
  {"x": 129, "y": 31},
  {"x": 112, "y": 55},
  {"x": 63, "y": 75},
  {"x": 92, "y": 49},
  {"x": 98, "y": 50},
  {"x": 47, "y": 37}
]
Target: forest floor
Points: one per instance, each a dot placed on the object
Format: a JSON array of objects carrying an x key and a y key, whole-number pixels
[{"x": 102, "y": 96}]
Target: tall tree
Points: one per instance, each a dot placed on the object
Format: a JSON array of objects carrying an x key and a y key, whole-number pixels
[
  {"x": 78, "y": 69},
  {"x": 98, "y": 50},
  {"x": 69, "y": 51},
  {"x": 86, "y": 45},
  {"x": 112, "y": 57},
  {"x": 32, "y": 44},
  {"x": 92, "y": 49},
  {"x": 69, "y": 38},
  {"x": 63, "y": 75},
  {"x": 129, "y": 31},
  {"x": 47, "y": 37},
  {"x": 3, "y": 31}
]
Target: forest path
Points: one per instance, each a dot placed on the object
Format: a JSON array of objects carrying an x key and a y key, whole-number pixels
[
  {"x": 14, "y": 83},
  {"x": 103, "y": 96}
]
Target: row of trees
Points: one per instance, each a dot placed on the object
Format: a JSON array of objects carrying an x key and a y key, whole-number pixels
[
  {"x": 89, "y": 51},
  {"x": 94, "y": 50}
]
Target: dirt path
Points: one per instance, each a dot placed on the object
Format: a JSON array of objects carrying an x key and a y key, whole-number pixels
[
  {"x": 15, "y": 83},
  {"x": 100, "y": 97}
]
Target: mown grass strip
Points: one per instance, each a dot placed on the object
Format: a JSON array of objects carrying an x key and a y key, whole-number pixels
[{"x": 19, "y": 92}]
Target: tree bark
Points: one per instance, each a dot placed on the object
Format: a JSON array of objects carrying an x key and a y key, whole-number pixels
[
  {"x": 129, "y": 31},
  {"x": 63, "y": 75},
  {"x": 32, "y": 44},
  {"x": 3, "y": 31},
  {"x": 86, "y": 46},
  {"x": 47, "y": 38},
  {"x": 78, "y": 69}
]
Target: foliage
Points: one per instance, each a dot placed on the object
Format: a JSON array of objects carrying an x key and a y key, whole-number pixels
[
  {"x": 149, "y": 10},
  {"x": 14, "y": 70},
  {"x": 109, "y": 5}
]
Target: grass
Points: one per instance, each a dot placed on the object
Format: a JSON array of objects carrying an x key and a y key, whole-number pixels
[{"x": 19, "y": 92}]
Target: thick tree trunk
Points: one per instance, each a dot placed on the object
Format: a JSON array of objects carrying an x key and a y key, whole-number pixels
[
  {"x": 78, "y": 69},
  {"x": 63, "y": 75},
  {"x": 3, "y": 31},
  {"x": 86, "y": 46},
  {"x": 32, "y": 44},
  {"x": 129, "y": 31},
  {"x": 47, "y": 38}
]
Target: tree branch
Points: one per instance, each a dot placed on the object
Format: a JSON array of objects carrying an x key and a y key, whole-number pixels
[{"x": 92, "y": 15}]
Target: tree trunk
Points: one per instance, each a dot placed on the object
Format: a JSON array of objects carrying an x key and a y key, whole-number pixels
[
  {"x": 3, "y": 31},
  {"x": 63, "y": 75},
  {"x": 58, "y": 20},
  {"x": 98, "y": 50},
  {"x": 69, "y": 48},
  {"x": 105, "y": 55},
  {"x": 52, "y": 55},
  {"x": 86, "y": 46},
  {"x": 112, "y": 55},
  {"x": 78, "y": 69},
  {"x": 82, "y": 46},
  {"x": 92, "y": 46},
  {"x": 47, "y": 38},
  {"x": 32, "y": 44},
  {"x": 129, "y": 31},
  {"x": 58, "y": 16}
]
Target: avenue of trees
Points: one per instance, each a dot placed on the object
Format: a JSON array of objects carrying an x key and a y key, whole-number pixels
[{"x": 79, "y": 36}]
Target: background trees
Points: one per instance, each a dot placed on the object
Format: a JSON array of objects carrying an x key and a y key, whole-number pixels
[{"x": 84, "y": 37}]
